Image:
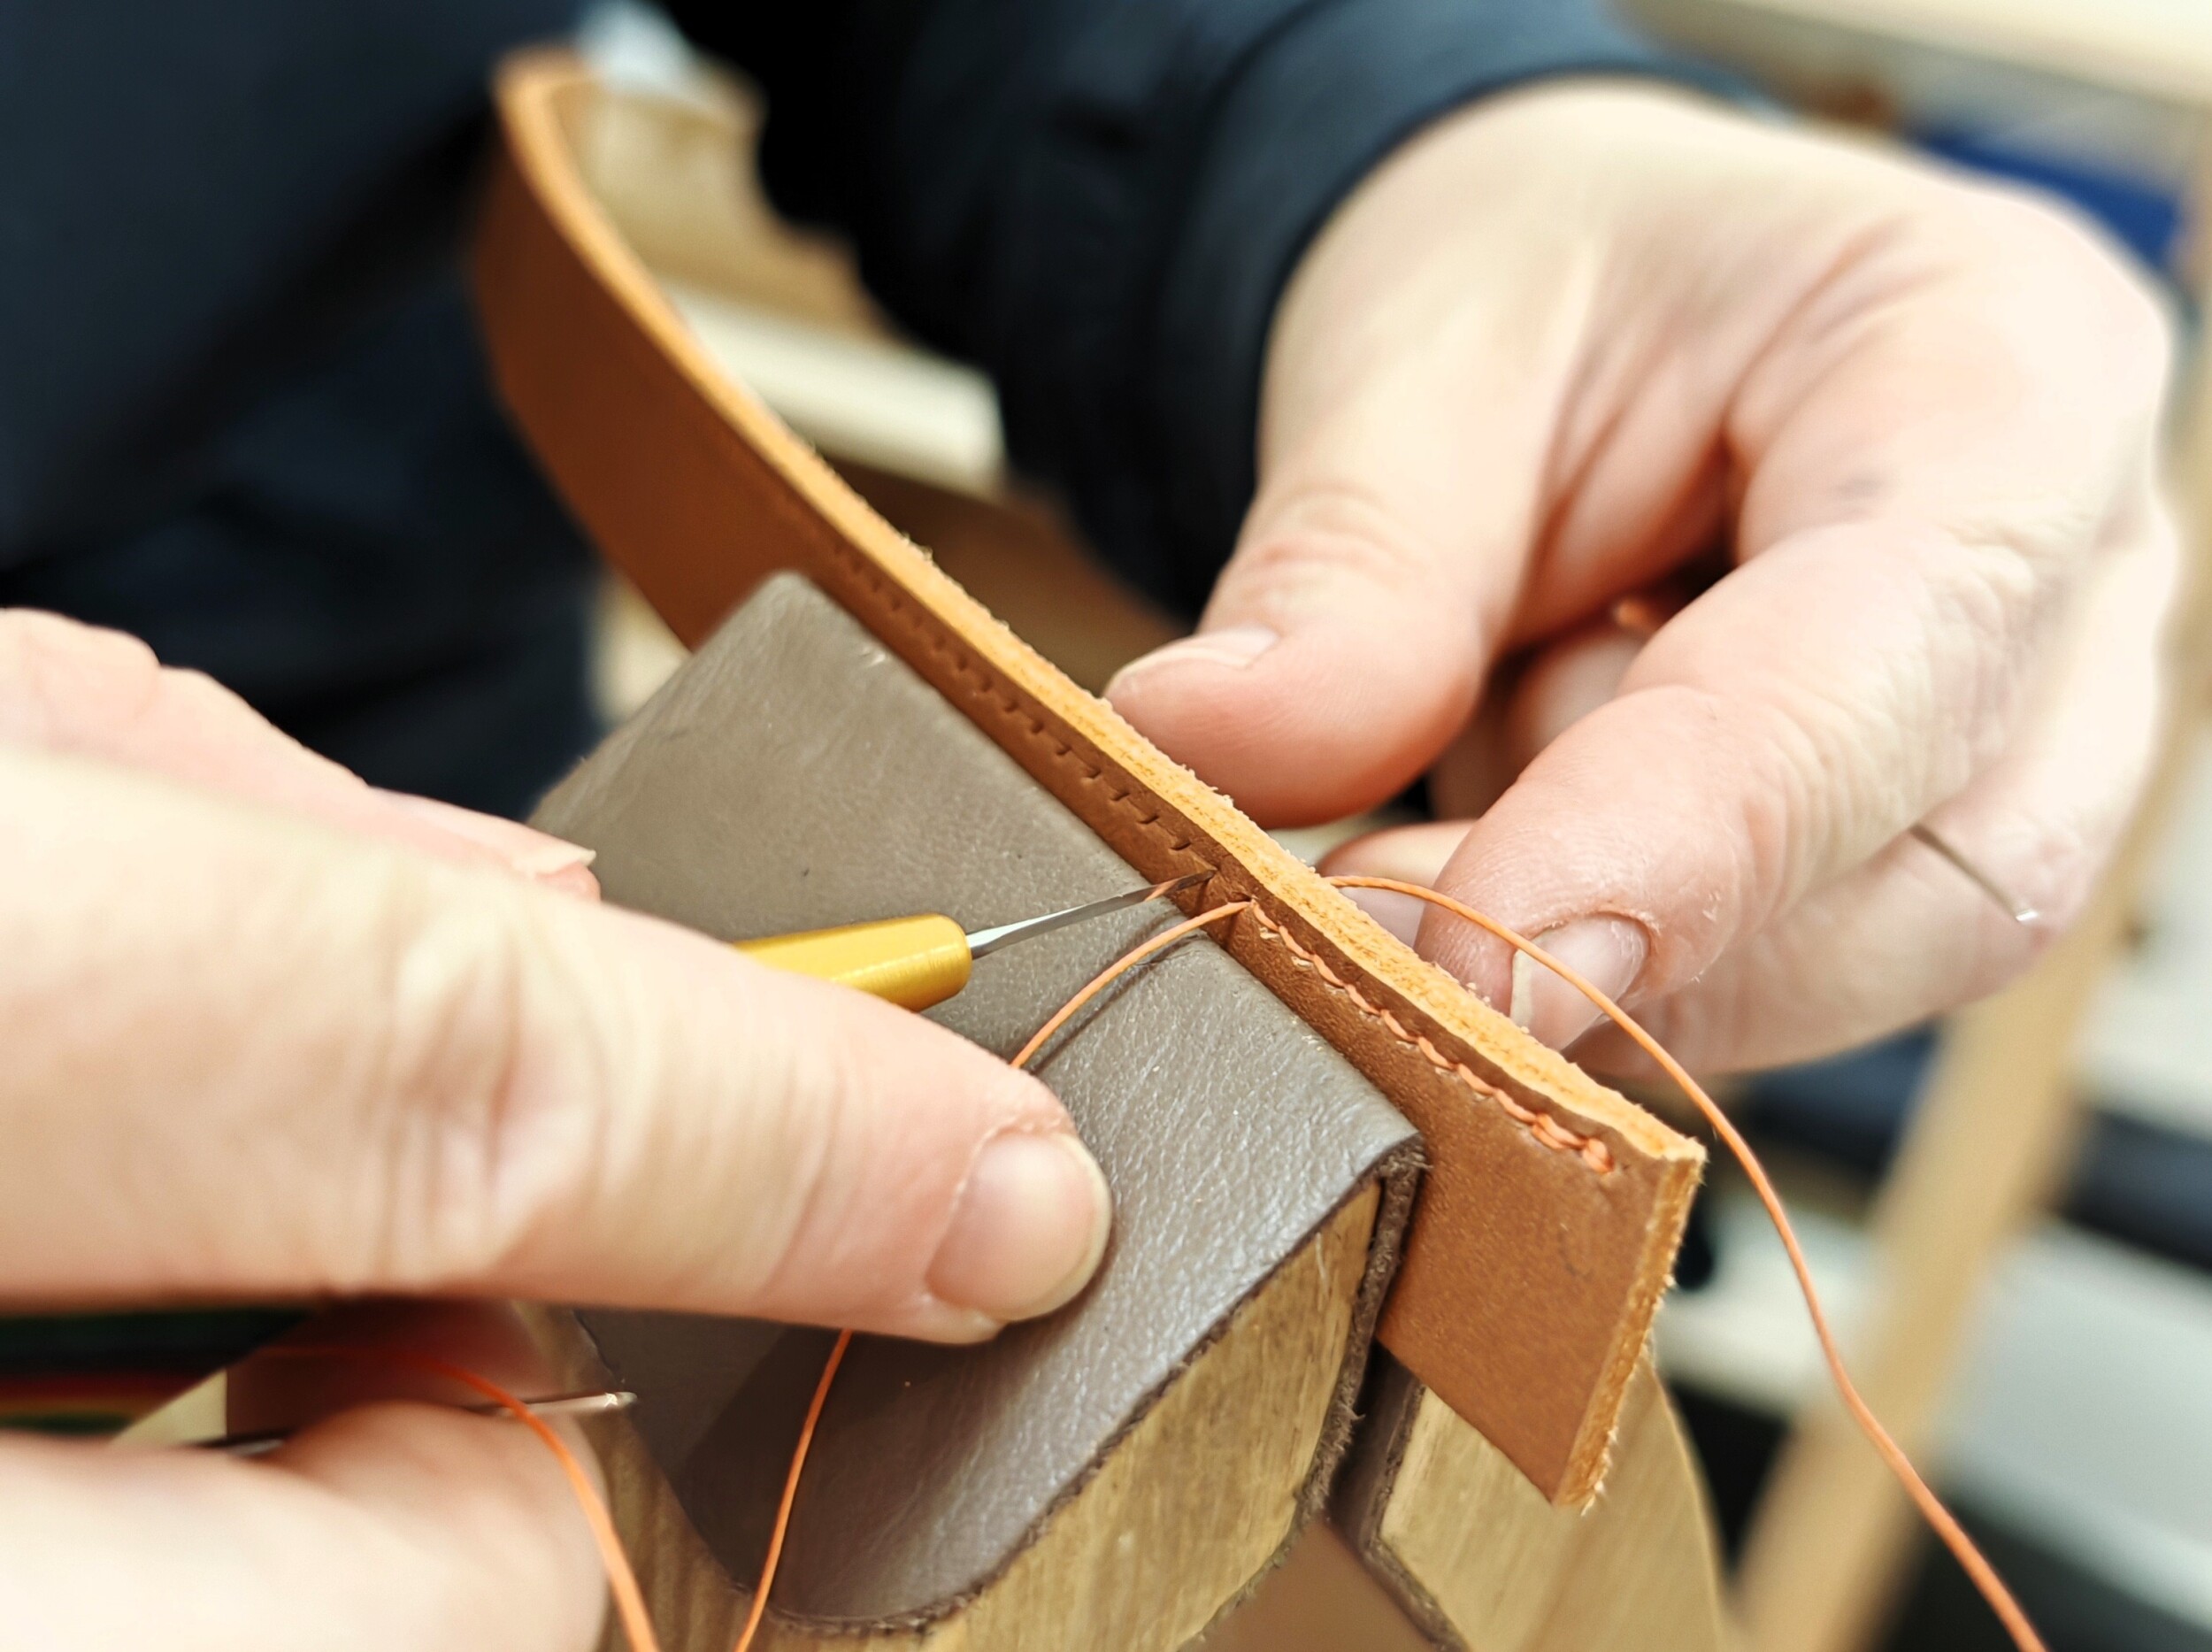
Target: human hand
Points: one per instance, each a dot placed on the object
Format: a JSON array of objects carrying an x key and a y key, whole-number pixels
[
  {"x": 271, "y": 1032},
  {"x": 1552, "y": 351}
]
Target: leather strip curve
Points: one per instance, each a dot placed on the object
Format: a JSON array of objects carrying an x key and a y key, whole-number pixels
[{"x": 1549, "y": 1220}]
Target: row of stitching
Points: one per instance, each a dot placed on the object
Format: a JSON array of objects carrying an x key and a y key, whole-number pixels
[
  {"x": 919, "y": 624},
  {"x": 1548, "y": 1130}
]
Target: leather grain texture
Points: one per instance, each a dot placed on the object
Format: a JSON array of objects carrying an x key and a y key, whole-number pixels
[
  {"x": 1549, "y": 1217},
  {"x": 795, "y": 773}
]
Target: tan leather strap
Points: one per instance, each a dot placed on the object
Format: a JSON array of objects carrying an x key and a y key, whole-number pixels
[{"x": 1552, "y": 1207}]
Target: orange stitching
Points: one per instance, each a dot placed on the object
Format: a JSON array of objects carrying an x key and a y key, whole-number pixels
[
  {"x": 1544, "y": 1129},
  {"x": 918, "y": 623},
  {"x": 1940, "y": 1520}
]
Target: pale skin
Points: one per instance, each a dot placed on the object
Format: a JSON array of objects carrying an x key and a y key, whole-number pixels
[
  {"x": 273, "y": 1035},
  {"x": 1562, "y": 342},
  {"x": 271, "y": 1032}
]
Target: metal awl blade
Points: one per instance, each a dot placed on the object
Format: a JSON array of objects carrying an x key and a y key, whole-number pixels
[{"x": 983, "y": 943}]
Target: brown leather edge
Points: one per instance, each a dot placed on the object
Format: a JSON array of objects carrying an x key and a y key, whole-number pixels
[
  {"x": 1530, "y": 1275},
  {"x": 1401, "y": 1176},
  {"x": 563, "y": 1338},
  {"x": 1363, "y": 1497}
]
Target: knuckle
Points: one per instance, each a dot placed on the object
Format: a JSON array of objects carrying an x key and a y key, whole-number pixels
[
  {"x": 2030, "y": 230},
  {"x": 808, "y": 1102},
  {"x": 196, "y": 691},
  {"x": 1326, "y": 532},
  {"x": 59, "y": 639},
  {"x": 462, "y": 1139},
  {"x": 1986, "y": 606},
  {"x": 53, "y": 669},
  {"x": 847, "y": 1178},
  {"x": 2046, "y": 240},
  {"x": 2034, "y": 223},
  {"x": 1342, "y": 552},
  {"x": 2073, "y": 292}
]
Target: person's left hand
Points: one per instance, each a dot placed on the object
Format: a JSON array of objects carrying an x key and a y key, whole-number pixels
[
  {"x": 269, "y": 1033},
  {"x": 1551, "y": 355}
]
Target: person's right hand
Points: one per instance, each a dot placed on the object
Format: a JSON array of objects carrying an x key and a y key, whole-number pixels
[
  {"x": 271, "y": 1032},
  {"x": 1564, "y": 356}
]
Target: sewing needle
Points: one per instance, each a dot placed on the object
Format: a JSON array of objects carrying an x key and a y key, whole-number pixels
[
  {"x": 594, "y": 1403},
  {"x": 2011, "y": 905}
]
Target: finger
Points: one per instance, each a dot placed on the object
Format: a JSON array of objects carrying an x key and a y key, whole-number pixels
[
  {"x": 1409, "y": 854},
  {"x": 71, "y": 688},
  {"x": 1905, "y": 935},
  {"x": 247, "y": 1055},
  {"x": 1526, "y": 704},
  {"x": 1566, "y": 681},
  {"x": 549, "y": 860},
  {"x": 1781, "y": 730},
  {"x": 395, "y": 1526},
  {"x": 373, "y": 1354},
  {"x": 1562, "y": 683},
  {"x": 1857, "y": 669},
  {"x": 1400, "y": 490},
  {"x": 1430, "y": 409}
]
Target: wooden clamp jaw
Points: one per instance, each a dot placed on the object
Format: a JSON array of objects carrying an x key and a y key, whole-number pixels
[{"x": 1547, "y": 1221}]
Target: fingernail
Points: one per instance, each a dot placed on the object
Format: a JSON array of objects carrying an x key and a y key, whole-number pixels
[
  {"x": 1607, "y": 952},
  {"x": 533, "y": 853},
  {"x": 1234, "y": 646},
  {"x": 1028, "y": 1230},
  {"x": 544, "y": 860}
]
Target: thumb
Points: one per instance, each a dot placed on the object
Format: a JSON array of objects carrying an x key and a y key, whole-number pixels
[
  {"x": 1340, "y": 653},
  {"x": 1412, "y": 386},
  {"x": 249, "y": 1054}
]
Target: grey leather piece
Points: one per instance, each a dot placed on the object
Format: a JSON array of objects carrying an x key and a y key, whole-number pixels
[{"x": 796, "y": 774}]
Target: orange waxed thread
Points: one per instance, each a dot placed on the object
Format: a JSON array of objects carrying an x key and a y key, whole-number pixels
[
  {"x": 623, "y": 1581},
  {"x": 629, "y": 1600},
  {"x": 1128, "y": 961},
  {"x": 1940, "y": 1520},
  {"x": 1098, "y": 983},
  {"x": 791, "y": 1490}
]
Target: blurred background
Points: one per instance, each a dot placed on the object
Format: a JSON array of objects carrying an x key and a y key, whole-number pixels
[{"x": 2011, "y": 1214}]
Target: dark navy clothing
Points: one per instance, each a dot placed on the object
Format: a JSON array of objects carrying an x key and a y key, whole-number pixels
[{"x": 242, "y": 412}]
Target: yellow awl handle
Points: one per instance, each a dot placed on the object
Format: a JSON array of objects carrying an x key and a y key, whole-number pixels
[
  {"x": 918, "y": 962},
  {"x": 910, "y": 962}
]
